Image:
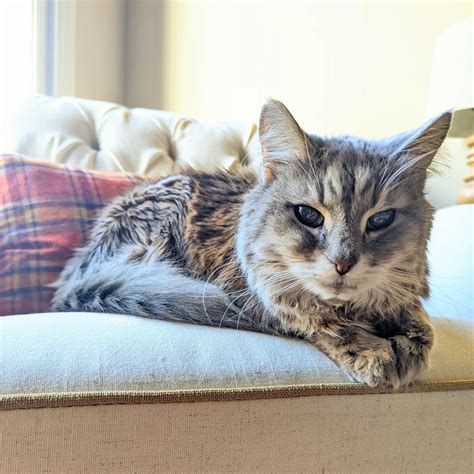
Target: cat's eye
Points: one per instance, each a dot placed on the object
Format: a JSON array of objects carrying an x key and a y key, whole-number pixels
[
  {"x": 381, "y": 220},
  {"x": 309, "y": 215}
]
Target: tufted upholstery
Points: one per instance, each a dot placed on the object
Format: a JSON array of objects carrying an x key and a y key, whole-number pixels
[{"x": 109, "y": 137}]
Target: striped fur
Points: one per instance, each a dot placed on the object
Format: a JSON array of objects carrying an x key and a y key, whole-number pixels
[{"x": 227, "y": 249}]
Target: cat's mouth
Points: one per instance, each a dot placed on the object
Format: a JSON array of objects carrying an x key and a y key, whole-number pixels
[
  {"x": 338, "y": 286},
  {"x": 336, "y": 292}
]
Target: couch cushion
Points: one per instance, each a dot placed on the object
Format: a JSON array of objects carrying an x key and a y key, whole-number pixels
[{"x": 87, "y": 352}]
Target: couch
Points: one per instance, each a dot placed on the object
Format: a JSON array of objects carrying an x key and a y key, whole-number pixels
[{"x": 83, "y": 392}]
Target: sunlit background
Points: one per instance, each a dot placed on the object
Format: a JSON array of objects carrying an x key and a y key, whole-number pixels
[
  {"x": 365, "y": 68},
  {"x": 17, "y": 60}
]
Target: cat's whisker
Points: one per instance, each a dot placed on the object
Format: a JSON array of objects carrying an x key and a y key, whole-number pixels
[
  {"x": 411, "y": 163},
  {"x": 398, "y": 292}
]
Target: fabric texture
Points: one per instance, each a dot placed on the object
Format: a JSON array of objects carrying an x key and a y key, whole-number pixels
[
  {"x": 45, "y": 212},
  {"x": 88, "y": 352},
  {"x": 410, "y": 433},
  {"x": 104, "y": 136}
]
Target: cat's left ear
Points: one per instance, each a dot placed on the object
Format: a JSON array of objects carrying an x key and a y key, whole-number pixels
[
  {"x": 423, "y": 143},
  {"x": 281, "y": 138}
]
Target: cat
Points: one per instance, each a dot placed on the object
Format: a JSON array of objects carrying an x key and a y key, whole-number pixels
[{"x": 327, "y": 244}]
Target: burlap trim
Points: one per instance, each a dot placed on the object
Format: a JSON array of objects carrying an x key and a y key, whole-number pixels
[{"x": 66, "y": 399}]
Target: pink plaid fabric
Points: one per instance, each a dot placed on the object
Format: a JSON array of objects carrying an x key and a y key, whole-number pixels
[{"x": 46, "y": 212}]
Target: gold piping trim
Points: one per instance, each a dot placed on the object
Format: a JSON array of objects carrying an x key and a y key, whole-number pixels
[{"x": 68, "y": 399}]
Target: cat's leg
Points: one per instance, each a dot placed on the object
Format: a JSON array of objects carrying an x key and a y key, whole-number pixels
[
  {"x": 366, "y": 357},
  {"x": 383, "y": 354},
  {"x": 412, "y": 342}
]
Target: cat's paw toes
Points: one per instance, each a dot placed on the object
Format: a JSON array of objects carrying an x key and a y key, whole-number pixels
[
  {"x": 376, "y": 368},
  {"x": 396, "y": 366},
  {"x": 412, "y": 357}
]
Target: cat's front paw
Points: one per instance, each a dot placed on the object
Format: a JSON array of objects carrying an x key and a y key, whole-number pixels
[
  {"x": 412, "y": 352},
  {"x": 376, "y": 368},
  {"x": 396, "y": 365}
]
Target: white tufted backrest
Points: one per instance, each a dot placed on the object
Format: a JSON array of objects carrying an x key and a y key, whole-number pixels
[{"x": 109, "y": 137}]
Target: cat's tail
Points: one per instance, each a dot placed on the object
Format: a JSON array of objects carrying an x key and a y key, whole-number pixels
[{"x": 151, "y": 289}]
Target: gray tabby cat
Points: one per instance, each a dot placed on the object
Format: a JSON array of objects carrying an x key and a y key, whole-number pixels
[{"x": 327, "y": 245}]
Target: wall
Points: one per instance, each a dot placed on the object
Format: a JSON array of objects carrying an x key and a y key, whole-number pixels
[
  {"x": 99, "y": 61},
  {"x": 144, "y": 29},
  {"x": 360, "y": 67}
]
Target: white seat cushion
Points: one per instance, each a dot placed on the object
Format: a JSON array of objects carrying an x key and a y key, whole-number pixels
[{"x": 71, "y": 352}]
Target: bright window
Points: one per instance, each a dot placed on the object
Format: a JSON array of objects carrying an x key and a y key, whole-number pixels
[{"x": 18, "y": 76}]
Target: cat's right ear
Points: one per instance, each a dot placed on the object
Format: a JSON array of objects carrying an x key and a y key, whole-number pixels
[{"x": 281, "y": 138}]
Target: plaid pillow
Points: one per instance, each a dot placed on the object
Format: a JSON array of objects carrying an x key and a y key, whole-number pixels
[{"x": 46, "y": 211}]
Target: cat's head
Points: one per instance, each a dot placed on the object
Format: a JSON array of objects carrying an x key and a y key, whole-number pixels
[{"x": 344, "y": 219}]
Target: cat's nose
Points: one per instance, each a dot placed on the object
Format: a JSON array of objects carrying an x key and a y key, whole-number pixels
[{"x": 343, "y": 266}]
